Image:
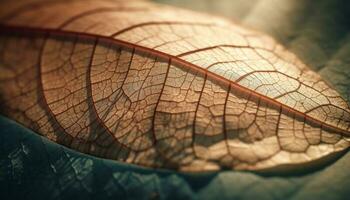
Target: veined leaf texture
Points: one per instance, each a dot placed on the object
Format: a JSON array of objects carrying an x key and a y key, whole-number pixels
[{"x": 163, "y": 87}]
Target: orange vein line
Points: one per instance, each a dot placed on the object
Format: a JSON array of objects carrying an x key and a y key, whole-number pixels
[{"x": 178, "y": 61}]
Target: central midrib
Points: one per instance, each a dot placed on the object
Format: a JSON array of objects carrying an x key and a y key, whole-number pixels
[{"x": 175, "y": 60}]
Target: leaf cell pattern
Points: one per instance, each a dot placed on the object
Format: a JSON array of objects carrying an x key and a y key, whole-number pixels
[{"x": 135, "y": 82}]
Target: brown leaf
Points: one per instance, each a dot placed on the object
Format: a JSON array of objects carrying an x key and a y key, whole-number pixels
[{"x": 163, "y": 87}]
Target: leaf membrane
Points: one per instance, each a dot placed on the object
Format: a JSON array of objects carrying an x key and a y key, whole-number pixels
[{"x": 190, "y": 95}]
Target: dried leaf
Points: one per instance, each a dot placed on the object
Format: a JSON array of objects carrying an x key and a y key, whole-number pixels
[{"x": 164, "y": 87}]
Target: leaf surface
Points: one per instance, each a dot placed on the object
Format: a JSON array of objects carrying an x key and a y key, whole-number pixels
[{"x": 133, "y": 82}]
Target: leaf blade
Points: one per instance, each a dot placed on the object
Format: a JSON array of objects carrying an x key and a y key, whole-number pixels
[{"x": 207, "y": 148}]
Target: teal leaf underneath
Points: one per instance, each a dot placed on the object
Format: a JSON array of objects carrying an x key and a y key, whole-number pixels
[{"x": 32, "y": 167}]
